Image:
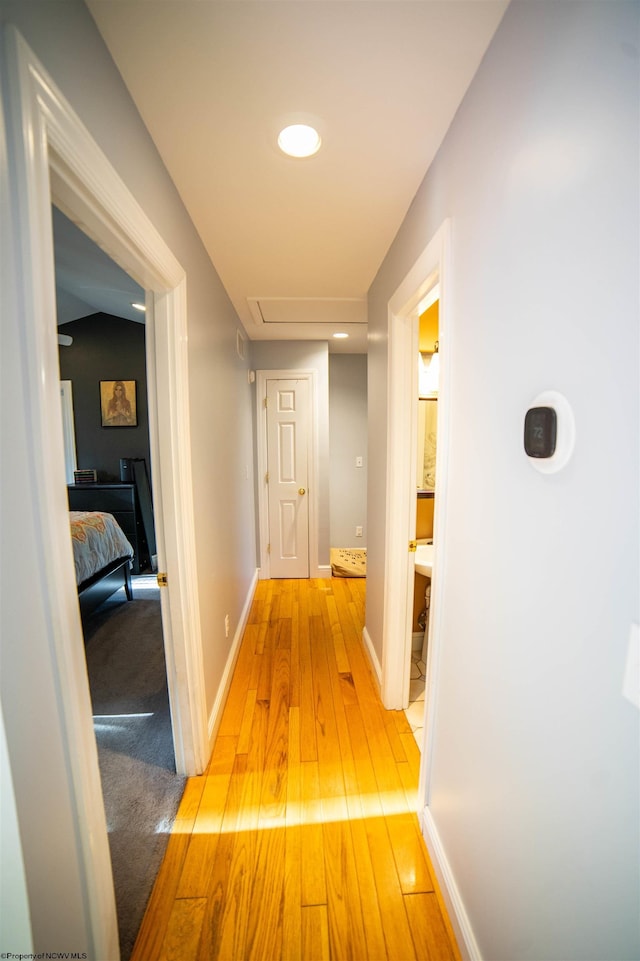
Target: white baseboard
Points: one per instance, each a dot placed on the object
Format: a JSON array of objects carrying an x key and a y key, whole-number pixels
[
  {"x": 373, "y": 658},
  {"x": 417, "y": 640},
  {"x": 225, "y": 683},
  {"x": 320, "y": 571},
  {"x": 455, "y": 907}
]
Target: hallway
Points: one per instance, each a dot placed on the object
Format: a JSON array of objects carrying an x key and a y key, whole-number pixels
[{"x": 301, "y": 842}]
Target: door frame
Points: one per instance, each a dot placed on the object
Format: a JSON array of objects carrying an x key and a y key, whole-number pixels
[
  {"x": 311, "y": 376},
  {"x": 52, "y": 157},
  {"x": 431, "y": 268}
]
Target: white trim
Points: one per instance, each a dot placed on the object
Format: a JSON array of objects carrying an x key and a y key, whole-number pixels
[
  {"x": 402, "y": 399},
  {"x": 227, "y": 675},
  {"x": 373, "y": 657},
  {"x": 15, "y": 920},
  {"x": 432, "y": 266},
  {"x": 455, "y": 906},
  {"x": 322, "y": 571},
  {"x": 262, "y": 376},
  {"x": 68, "y": 430},
  {"x": 53, "y": 156},
  {"x": 400, "y": 520},
  {"x": 87, "y": 188}
]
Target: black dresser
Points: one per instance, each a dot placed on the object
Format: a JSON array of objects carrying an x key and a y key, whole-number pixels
[{"x": 121, "y": 500}]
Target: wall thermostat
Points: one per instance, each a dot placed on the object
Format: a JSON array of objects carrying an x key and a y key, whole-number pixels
[
  {"x": 540, "y": 425},
  {"x": 549, "y": 432}
]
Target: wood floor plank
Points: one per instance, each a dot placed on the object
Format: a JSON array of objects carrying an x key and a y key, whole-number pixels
[
  {"x": 294, "y": 678},
  {"x": 244, "y": 737},
  {"x": 393, "y": 734},
  {"x": 314, "y": 888},
  {"x": 365, "y": 881},
  {"x": 315, "y": 933},
  {"x": 286, "y": 599},
  {"x": 428, "y": 929},
  {"x": 301, "y": 841},
  {"x": 182, "y": 939},
  {"x": 342, "y": 660},
  {"x": 190, "y": 802},
  {"x": 409, "y": 777},
  {"x": 274, "y": 782},
  {"x": 374, "y": 933},
  {"x": 412, "y": 752},
  {"x": 326, "y": 730},
  {"x": 261, "y": 633},
  {"x": 292, "y": 919},
  {"x": 410, "y": 853},
  {"x": 196, "y": 871},
  {"x": 395, "y": 924},
  {"x": 266, "y": 906},
  {"x": 223, "y": 755},
  {"x": 223, "y": 924},
  {"x": 338, "y": 691},
  {"x": 228, "y": 916},
  {"x": 264, "y": 677},
  {"x": 234, "y": 707},
  {"x": 148, "y": 945},
  {"x": 308, "y": 742},
  {"x": 344, "y": 908}
]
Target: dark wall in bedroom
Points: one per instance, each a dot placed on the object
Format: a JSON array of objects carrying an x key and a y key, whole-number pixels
[{"x": 105, "y": 348}]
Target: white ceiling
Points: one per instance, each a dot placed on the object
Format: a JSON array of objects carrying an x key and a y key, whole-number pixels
[
  {"x": 87, "y": 280},
  {"x": 297, "y": 243}
]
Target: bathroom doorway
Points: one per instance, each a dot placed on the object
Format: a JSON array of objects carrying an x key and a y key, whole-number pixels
[
  {"x": 431, "y": 268},
  {"x": 428, "y": 359}
]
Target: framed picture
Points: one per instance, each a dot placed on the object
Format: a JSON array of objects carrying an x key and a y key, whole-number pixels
[{"x": 118, "y": 403}]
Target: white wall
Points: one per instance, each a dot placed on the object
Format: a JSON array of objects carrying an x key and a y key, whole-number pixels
[
  {"x": 348, "y": 440},
  {"x": 535, "y": 781},
  {"x": 305, "y": 355},
  {"x": 66, "y": 40},
  {"x": 15, "y": 923}
]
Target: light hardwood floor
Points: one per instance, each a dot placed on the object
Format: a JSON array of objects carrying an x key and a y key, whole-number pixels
[{"x": 301, "y": 842}]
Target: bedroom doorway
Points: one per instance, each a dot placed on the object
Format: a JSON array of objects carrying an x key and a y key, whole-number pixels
[{"x": 52, "y": 158}]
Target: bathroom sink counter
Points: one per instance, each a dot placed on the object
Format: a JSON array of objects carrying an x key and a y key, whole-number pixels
[{"x": 423, "y": 559}]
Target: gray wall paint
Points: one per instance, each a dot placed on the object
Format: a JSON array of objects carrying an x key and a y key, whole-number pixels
[
  {"x": 304, "y": 355},
  {"x": 105, "y": 348},
  {"x": 535, "y": 780},
  {"x": 64, "y": 37},
  {"x": 347, "y": 440}
]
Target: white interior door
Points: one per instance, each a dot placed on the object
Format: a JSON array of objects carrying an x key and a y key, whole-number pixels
[{"x": 288, "y": 474}]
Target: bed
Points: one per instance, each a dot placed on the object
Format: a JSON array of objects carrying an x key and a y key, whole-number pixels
[{"x": 102, "y": 557}]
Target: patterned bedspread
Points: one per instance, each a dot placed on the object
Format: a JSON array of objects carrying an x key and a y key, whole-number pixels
[{"x": 97, "y": 540}]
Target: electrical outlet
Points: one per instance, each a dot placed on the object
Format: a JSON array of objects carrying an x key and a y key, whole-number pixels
[
  {"x": 226, "y": 625},
  {"x": 359, "y": 461},
  {"x": 358, "y": 532}
]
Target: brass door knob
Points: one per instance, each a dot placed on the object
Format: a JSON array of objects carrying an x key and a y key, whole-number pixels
[{"x": 301, "y": 490}]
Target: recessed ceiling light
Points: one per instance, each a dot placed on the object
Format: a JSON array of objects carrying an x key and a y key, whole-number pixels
[
  {"x": 139, "y": 307},
  {"x": 299, "y": 140},
  {"x": 341, "y": 336}
]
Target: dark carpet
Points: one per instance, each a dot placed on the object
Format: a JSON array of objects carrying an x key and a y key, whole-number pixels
[{"x": 127, "y": 676}]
